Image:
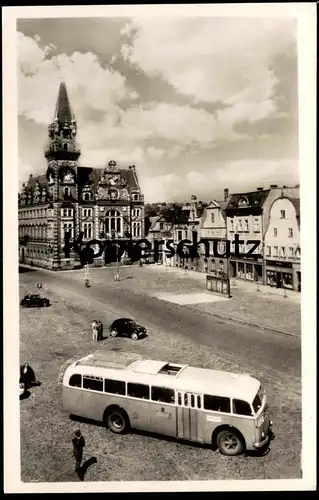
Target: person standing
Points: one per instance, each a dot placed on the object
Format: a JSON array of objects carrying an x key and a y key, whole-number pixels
[
  {"x": 27, "y": 375},
  {"x": 95, "y": 331},
  {"x": 78, "y": 443},
  {"x": 100, "y": 331}
]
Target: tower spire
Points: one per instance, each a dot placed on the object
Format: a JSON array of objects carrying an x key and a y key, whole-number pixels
[{"x": 63, "y": 112}]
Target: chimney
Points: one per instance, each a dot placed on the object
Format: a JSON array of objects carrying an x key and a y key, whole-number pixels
[
  {"x": 226, "y": 193},
  {"x": 273, "y": 186},
  {"x": 260, "y": 189}
]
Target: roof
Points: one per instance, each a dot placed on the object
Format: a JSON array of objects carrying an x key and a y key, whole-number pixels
[
  {"x": 296, "y": 204},
  {"x": 87, "y": 175},
  {"x": 63, "y": 109},
  {"x": 164, "y": 374},
  {"x": 254, "y": 198},
  {"x": 113, "y": 360}
]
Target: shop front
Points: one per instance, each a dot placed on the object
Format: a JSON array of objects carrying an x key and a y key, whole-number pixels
[
  {"x": 279, "y": 275},
  {"x": 250, "y": 270}
]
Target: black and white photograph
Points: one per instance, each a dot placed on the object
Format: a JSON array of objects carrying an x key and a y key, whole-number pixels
[{"x": 159, "y": 270}]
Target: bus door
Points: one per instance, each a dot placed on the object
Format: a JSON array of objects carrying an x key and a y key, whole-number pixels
[{"x": 188, "y": 421}]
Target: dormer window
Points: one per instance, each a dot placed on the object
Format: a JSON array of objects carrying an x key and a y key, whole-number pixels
[
  {"x": 66, "y": 146},
  {"x": 243, "y": 201},
  {"x": 87, "y": 196}
]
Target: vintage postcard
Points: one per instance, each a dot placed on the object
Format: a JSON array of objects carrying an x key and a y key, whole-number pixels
[{"x": 159, "y": 257}]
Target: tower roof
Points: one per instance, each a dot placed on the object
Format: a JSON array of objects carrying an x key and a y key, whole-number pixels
[{"x": 63, "y": 109}]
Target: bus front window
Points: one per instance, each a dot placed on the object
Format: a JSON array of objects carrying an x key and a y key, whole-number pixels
[{"x": 258, "y": 400}]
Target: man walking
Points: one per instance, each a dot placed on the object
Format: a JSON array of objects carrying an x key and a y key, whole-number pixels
[{"x": 78, "y": 445}]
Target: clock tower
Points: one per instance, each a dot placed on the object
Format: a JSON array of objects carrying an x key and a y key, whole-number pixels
[{"x": 62, "y": 153}]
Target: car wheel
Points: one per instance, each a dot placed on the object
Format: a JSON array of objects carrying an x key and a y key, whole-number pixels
[
  {"x": 113, "y": 333},
  {"x": 134, "y": 336},
  {"x": 47, "y": 303},
  {"x": 117, "y": 421},
  {"x": 230, "y": 443}
]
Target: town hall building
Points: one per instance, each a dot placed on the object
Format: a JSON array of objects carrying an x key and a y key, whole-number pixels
[{"x": 70, "y": 199}]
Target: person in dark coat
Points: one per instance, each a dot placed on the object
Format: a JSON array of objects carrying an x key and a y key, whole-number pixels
[
  {"x": 78, "y": 445},
  {"x": 100, "y": 331},
  {"x": 27, "y": 375}
]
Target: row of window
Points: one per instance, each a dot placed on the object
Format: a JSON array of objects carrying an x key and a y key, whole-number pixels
[
  {"x": 159, "y": 394},
  {"x": 33, "y": 232},
  {"x": 282, "y": 251},
  {"x": 243, "y": 225},
  {"x": 33, "y": 214},
  {"x": 290, "y": 232}
]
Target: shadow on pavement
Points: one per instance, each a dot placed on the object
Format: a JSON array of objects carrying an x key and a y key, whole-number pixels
[
  {"x": 26, "y": 270},
  {"x": 85, "y": 467}
]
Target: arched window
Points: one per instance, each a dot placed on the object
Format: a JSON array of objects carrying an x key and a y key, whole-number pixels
[
  {"x": 87, "y": 196},
  {"x": 113, "y": 221},
  {"x": 66, "y": 146},
  {"x": 66, "y": 191}
]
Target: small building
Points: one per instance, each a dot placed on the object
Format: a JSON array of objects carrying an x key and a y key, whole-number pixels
[{"x": 282, "y": 244}]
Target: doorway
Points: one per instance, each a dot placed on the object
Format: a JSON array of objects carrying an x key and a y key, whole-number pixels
[{"x": 278, "y": 279}]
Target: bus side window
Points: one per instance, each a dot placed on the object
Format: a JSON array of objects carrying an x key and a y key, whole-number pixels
[
  {"x": 114, "y": 387},
  {"x": 92, "y": 384},
  {"x": 75, "y": 380},
  {"x": 198, "y": 402},
  {"x": 217, "y": 403},
  {"x": 179, "y": 399},
  {"x": 185, "y": 399},
  {"x": 163, "y": 395},
  {"x": 138, "y": 391},
  {"x": 192, "y": 400}
]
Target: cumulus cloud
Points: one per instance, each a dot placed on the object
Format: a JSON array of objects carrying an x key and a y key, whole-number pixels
[
  {"x": 212, "y": 59},
  {"x": 90, "y": 85},
  {"x": 228, "y": 62}
]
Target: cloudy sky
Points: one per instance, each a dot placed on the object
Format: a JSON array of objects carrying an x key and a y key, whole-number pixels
[{"x": 197, "y": 104}]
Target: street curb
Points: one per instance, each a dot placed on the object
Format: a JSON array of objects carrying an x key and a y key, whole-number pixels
[{"x": 236, "y": 320}]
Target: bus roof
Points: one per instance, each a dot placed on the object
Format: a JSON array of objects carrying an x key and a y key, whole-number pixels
[{"x": 130, "y": 367}]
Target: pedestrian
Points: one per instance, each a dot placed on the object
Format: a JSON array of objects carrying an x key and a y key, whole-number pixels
[
  {"x": 95, "y": 330},
  {"x": 100, "y": 331},
  {"x": 27, "y": 375},
  {"x": 78, "y": 445}
]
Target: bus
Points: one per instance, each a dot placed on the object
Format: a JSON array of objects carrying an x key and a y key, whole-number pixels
[{"x": 226, "y": 410}]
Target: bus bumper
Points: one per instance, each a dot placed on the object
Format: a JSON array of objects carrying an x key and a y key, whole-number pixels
[{"x": 270, "y": 435}]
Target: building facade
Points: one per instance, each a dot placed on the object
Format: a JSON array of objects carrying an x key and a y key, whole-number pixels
[
  {"x": 282, "y": 245},
  {"x": 244, "y": 218},
  {"x": 70, "y": 199},
  {"x": 213, "y": 229}
]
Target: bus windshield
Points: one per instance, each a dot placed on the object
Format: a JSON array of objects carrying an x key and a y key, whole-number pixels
[{"x": 258, "y": 400}]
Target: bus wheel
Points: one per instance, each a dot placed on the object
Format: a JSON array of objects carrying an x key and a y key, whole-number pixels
[
  {"x": 230, "y": 443},
  {"x": 117, "y": 421}
]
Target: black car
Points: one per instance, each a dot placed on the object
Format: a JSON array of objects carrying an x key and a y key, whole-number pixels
[
  {"x": 125, "y": 327},
  {"x": 34, "y": 301}
]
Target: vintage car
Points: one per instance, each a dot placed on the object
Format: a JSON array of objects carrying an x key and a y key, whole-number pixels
[
  {"x": 124, "y": 327},
  {"x": 34, "y": 301}
]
